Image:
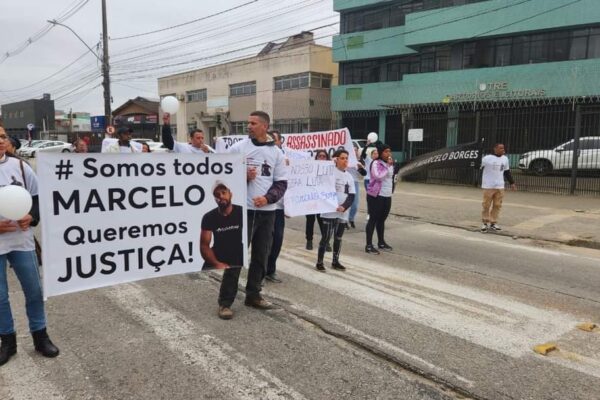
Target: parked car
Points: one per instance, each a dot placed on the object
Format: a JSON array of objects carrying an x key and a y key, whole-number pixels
[
  {"x": 47, "y": 145},
  {"x": 157, "y": 147},
  {"x": 360, "y": 143},
  {"x": 542, "y": 162}
]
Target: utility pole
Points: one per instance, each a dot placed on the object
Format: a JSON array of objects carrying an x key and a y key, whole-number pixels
[{"x": 106, "y": 68}]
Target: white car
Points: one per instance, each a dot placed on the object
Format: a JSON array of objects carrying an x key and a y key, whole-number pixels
[
  {"x": 157, "y": 147},
  {"x": 47, "y": 145},
  {"x": 542, "y": 162}
]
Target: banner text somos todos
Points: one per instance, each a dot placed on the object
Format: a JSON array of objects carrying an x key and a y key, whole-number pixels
[{"x": 114, "y": 218}]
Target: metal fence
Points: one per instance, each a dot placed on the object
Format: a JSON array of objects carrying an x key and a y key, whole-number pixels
[{"x": 553, "y": 144}]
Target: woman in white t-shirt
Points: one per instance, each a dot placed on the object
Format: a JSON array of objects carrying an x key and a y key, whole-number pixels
[
  {"x": 334, "y": 223},
  {"x": 17, "y": 247}
]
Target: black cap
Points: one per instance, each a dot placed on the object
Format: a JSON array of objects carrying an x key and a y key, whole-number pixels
[{"x": 124, "y": 129}]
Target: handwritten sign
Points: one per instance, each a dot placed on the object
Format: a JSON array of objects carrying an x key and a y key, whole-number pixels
[{"x": 311, "y": 188}]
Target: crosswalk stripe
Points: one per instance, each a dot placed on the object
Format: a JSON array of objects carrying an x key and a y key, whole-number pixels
[
  {"x": 193, "y": 346},
  {"x": 487, "y": 319}
]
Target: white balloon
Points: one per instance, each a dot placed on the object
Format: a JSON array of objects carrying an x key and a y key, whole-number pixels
[
  {"x": 169, "y": 104},
  {"x": 15, "y": 202},
  {"x": 372, "y": 137}
]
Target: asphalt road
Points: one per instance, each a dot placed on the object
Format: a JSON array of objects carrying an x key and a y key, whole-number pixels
[{"x": 447, "y": 314}]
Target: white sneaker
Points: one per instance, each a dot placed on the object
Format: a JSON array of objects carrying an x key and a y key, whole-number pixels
[
  {"x": 495, "y": 227},
  {"x": 484, "y": 227}
]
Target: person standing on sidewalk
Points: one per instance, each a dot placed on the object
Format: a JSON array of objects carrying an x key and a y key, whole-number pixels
[
  {"x": 267, "y": 183},
  {"x": 379, "y": 197},
  {"x": 335, "y": 222},
  {"x": 496, "y": 169},
  {"x": 17, "y": 247}
]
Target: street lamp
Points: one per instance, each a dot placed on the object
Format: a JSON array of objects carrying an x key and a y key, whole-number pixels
[
  {"x": 54, "y": 22},
  {"x": 103, "y": 60}
]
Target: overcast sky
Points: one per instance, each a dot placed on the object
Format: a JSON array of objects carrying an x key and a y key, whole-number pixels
[{"x": 136, "y": 63}]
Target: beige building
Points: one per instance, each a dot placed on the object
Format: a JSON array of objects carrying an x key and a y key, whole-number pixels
[{"x": 291, "y": 81}]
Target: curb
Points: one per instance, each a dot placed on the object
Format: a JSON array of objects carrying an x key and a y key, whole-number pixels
[{"x": 589, "y": 244}]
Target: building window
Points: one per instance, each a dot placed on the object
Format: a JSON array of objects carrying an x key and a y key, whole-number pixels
[
  {"x": 291, "y": 125},
  {"x": 513, "y": 50},
  {"x": 302, "y": 81},
  {"x": 389, "y": 15},
  {"x": 238, "y": 127},
  {"x": 192, "y": 126},
  {"x": 242, "y": 89},
  {"x": 195, "y": 95},
  {"x": 290, "y": 82}
]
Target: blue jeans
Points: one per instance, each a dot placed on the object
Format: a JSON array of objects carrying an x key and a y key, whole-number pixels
[
  {"x": 354, "y": 207},
  {"x": 24, "y": 264}
]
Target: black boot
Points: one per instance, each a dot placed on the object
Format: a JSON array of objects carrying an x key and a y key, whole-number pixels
[
  {"x": 43, "y": 344},
  {"x": 8, "y": 347}
]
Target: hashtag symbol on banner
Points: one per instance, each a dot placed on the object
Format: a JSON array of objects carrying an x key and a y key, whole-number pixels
[{"x": 64, "y": 169}]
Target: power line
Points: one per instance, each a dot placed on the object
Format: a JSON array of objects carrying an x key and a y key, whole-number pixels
[
  {"x": 43, "y": 31},
  {"x": 184, "y": 23}
]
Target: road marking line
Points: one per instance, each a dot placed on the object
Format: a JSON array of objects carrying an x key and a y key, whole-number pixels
[
  {"x": 195, "y": 347},
  {"x": 499, "y": 243},
  {"x": 516, "y": 328}
]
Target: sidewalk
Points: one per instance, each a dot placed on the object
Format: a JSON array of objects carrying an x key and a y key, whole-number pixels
[{"x": 565, "y": 219}]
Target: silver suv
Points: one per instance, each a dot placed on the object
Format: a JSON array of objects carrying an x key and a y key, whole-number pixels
[{"x": 542, "y": 162}]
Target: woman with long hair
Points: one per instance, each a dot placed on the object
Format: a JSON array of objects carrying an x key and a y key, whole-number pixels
[{"x": 379, "y": 198}]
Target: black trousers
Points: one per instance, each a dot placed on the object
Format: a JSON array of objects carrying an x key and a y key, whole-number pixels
[
  {"x": 310, "y": 225},
  {"x": 379, "y": 209},
  {"x": 260, "y": 238},
  {"x": 278, "y": 230},
  {"x": 331, "y": 227}
]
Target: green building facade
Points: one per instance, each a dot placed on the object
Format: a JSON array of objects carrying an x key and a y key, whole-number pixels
[{"x": 511, "y": 71}]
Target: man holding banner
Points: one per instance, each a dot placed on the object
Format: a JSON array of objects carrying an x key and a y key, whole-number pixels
[{"x": 267, "y": 183}]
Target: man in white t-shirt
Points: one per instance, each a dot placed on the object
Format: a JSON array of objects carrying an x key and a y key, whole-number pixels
[
  {"x": 496, "y": 169},
  {"x": 123, "y": 144},
  {"x": 267, "y": 183},
  {"x": 196, "y": 144}
]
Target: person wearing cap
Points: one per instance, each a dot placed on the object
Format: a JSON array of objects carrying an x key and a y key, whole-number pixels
[
  {"x": 379, "y": 197},
  {"x": 196, "y": 144},
  {"x": 123, "y": 144},
  {"x": 223, "y": 226},
  {"x": 266, "y": 184}
]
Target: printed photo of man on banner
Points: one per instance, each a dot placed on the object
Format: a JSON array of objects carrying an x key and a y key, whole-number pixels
[{"x": 114, "y": 218}]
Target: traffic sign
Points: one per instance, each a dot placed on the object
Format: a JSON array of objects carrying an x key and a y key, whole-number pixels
[{"x": 110, "y": 129}]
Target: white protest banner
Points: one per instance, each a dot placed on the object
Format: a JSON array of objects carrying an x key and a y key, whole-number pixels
[
  {"x": 225, "y": 142},
  {"x": 328, "y": 140},
  {"x": 311, "y": 188},
  {"x": 115, "y": 218}
]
